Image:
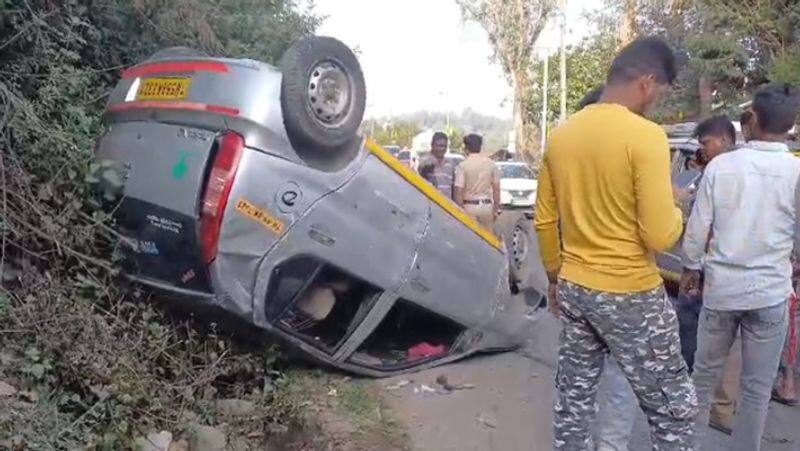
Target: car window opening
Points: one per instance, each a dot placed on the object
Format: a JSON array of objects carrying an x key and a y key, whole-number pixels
[
  {"x": 325, "y": 304},
  {"x": 408, "y": 335}
]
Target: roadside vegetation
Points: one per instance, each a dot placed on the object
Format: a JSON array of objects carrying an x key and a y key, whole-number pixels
[{"x": 88, "y": 360}]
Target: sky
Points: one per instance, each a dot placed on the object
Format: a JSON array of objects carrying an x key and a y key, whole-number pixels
[{"x": 421, "y": 54}]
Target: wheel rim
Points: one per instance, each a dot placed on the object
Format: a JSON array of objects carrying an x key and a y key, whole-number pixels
[
  {"x": 519, "y": 246},
  {"x": 329, "y": 93}
]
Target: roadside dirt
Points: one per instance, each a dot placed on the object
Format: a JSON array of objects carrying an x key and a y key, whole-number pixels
[{"x": 342, "y": 414}]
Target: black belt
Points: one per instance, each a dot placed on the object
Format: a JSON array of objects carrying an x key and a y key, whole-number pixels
[{"x": 478, "y": 202}]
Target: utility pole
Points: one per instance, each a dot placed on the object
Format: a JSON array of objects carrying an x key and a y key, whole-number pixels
[
  {"x": 545, "y": 73},
  {"x": 563, "y": 62}
]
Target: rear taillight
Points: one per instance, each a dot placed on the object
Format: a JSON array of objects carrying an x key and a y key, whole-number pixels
[{"x": 218, "y": 188}]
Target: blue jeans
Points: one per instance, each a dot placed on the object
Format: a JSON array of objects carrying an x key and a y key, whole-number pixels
[
  {"x": 763, "y": 332},
  {"x": 688, "y": 310}
]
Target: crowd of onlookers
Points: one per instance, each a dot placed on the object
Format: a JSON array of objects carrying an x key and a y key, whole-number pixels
[{"x": 606, "y": 205}]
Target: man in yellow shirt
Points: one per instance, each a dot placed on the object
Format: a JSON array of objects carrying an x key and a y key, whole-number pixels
[{"x": 604, "y": 209}]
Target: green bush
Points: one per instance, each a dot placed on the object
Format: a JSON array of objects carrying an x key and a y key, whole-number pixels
[{"x": 96, "y": 362}]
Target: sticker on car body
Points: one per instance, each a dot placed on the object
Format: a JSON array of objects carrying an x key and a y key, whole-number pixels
[
  {"x": 181, "y": 168},
  {"x": 255, "y": 213},
  {"x": 165, "y": 224},
  {"x": 141, "y": 246}
]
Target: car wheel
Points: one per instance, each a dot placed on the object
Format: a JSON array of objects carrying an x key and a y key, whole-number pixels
[
  {"x": 519, "y": 246},
  {"x": 323, "y": 94}
]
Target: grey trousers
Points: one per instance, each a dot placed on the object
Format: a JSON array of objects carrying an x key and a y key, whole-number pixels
[{"x": 763, "y": 332}]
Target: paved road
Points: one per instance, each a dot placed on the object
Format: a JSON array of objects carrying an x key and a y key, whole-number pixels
[{"x": 510, "y": 407}]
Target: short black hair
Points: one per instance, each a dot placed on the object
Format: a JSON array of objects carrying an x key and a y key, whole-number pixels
[
  {"x": 775, "y": 107},
  {"x": 591, "y": 97},
  {"x": 438, "y": 136},
  {"x": 745, "y": 117},
  {"x": 473, "y": 142},
  {"x": 644, "y": 56},
  {"x": 716, "y": 126}
]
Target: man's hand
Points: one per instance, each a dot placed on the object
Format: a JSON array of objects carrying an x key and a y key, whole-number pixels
[
  {"x": 552, "y": 299},
  {"x": 690, "y": 282},
  {"x": 681, "y": 195}
]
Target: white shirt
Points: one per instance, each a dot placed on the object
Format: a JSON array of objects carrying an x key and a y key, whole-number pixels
[{"x": 746, "y": 199}]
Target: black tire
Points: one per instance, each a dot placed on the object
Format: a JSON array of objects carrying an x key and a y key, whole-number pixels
[
  {"x": 316, "y": 117},
  {"x": 518, "y": 246}
]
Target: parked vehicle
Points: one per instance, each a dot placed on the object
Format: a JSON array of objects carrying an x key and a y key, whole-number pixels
[
  {"x": 454, "y": 158},
  {"x": 405, "y": 158},
  {"x": 517, "y": 185},
  {"x": 248, "y": 190},
  {"x": 393, "y": 150},
  {"x": 684, "y": 151}
]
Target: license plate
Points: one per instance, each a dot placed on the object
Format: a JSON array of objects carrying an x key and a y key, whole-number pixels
[{"x": 164, "y": 89}]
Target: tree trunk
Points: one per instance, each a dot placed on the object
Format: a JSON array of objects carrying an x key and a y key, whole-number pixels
[
  {"x": 525, "y": 131},
  {"x": 519, "y": 114},
  {"x": 705, "y": 94},
  {"x": 627, "y": 29}
]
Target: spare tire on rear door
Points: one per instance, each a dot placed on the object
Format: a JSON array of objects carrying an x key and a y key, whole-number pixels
[{"x": 323, "y": 94}]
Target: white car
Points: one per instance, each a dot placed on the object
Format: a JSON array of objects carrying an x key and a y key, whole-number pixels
[
  {"x": 517, "y": 185},
  {"x": 454, "y": 158}
]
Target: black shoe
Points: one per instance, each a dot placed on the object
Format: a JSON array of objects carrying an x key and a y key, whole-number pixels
[{"x": 720, "y": 427}]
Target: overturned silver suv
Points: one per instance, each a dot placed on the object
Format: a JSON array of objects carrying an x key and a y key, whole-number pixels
[{"x": 248, "y": 188}]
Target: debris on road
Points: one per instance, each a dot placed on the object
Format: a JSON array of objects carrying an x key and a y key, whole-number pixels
[
  {"x": 398, "y": 385},
  {"x": 445, "y": 383},
  {"x": 426, "y": 389},
  {"x": 487, "y": 422}
]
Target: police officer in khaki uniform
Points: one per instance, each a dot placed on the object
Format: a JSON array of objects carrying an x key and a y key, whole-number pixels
[{"x": 477, "y": 184}]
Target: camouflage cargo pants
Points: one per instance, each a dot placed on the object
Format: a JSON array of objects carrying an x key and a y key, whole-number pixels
[{"x": 641, "y": 332}]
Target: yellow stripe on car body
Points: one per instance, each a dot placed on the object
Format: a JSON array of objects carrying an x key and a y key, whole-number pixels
[{"x": 432, "y": 193}]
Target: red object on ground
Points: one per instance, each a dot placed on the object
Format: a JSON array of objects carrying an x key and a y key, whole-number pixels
[
  {"x": 790, "y": 351},
  {"x": 425, "y": 350}
]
